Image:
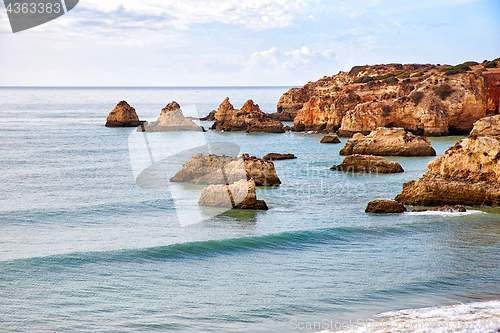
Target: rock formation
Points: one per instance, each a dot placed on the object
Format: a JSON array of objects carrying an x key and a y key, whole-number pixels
[
  {"x": 446, "y": 209},
  {"x": 250, "y": 119},
  {"x": 385, "y": 206},
  {"x": 209, "y": 117},
  {"x": 388, "y": 142},
  {"x": 239, "y": 195},
  {"x": 368, "y": 164},
  {"x": 330, "y": 139},
  {"x": 171, "y": 119},
  {"x": 212, "y": 169},
  {"x": 468, "y": 174},
  {"x": 123, "y": 115},
  {"x": 424, "y": 99},
  {"x": 278, "y": 157},
  {"x": 488, "y": 126}
]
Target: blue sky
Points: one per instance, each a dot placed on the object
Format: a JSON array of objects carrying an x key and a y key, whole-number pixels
[{"x": 242, "y": 42}]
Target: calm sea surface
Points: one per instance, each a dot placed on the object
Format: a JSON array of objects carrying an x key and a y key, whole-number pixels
[{"x": 83, "y": 248}]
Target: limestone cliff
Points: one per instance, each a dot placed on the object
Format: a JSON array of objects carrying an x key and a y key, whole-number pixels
[
  {"x": 426, "y": 99},
  {"x": 250, "y": 119},
  {"x": 123, "y": 115},
  {"x": 468, "y": 174}
]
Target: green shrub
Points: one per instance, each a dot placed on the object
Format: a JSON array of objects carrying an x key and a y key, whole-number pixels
[
  {"x": 418, "y": 75},
  {"x": 416, "y": 97},
  {"x": 490, "y": 64},
  {"x": 443, "y": 91},
  {"x": 462, "y": 68}
]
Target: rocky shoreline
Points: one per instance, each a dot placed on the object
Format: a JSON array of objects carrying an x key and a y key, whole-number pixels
[
  {"x": 468, "y": 173},
  {"x": 387, "y": 109}
]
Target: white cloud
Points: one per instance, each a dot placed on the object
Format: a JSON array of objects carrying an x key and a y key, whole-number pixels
[
  {"x": 284, "y": 61},
  {"x": 252, "y": 14}
]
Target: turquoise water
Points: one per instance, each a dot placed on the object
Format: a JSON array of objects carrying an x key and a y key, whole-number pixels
[{"x": 83, "y": 248}]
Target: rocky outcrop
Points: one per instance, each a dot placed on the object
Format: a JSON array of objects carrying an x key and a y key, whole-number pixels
[
  {"x": 468, "y": 174},
  {"x": 368, "y": 164},
  {"x": 212, "y": 169},
  {"x": 209, "y": 117},
  {"x": 330, "y": 139},
  {"x": 123, "y": 115},
  {"x": 239, "y": 195},
  {"x": 488, "y": 126},
  {"x": 171, "y": 119},
  {"x": 250, "y": 119},
  {"x": 278, "y": 157},
  {"x": 446, "y": 209},
  {"x": 388, "y": 142},
  {"x": 424, "y": 99},
  {"x": 385, "y": 207}
]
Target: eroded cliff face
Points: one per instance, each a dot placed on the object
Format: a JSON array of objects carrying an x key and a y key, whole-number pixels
[
  {"x": 468, "y": 173},
  {"x": 424, "y": 99}
]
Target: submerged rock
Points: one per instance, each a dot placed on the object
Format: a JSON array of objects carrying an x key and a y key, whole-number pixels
[
  {"x": 388, "y": 142},
  {"x": 212, "y": 169},
  {"x": 123, "y": 115},
  {"x": 250, "y": 119},
  {"x": 468, "y": 174},
  {"x": 330, "y": 139},
  {"x": 239, "y": 195},
  {"x": 278, "y": 157},
  {"x": 385, "y": 206},
  {"x": 368, "y": 164},
  {"x": 171, "y": 119}
]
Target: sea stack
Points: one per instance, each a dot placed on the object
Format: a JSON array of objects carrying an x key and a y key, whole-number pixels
[
  {"x": 123, "y": 115},
  {"x": 171, "y": 119},
  {"x": 239, "y": 195},
  {"x": 250, "y": 119},
  {"x": 212, "y": 169}
]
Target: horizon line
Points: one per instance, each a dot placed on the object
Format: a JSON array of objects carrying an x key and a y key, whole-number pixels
[{"x": 144, "y": 87}]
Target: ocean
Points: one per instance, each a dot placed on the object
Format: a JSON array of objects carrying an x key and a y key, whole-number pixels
[{"x": 84, "y": 248}]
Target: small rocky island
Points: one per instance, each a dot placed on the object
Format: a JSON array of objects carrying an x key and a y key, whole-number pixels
[
  {"x": 278, "y": 157},
  {"x": 368, "y": 164},
  {"x": 171, "y": 119},
  {"x": 123, "y": 115},
  {"x": 212, "y": 169},
  {"x": 250, "y": 119},
  {"x": 468, "y": 174},
  {"x": 238, "y": 195},
  {"x": 388, "y": 142},
  {"x": 330, "y": 139}
]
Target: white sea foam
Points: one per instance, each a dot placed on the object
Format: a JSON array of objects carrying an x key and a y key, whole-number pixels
[
  {"x": 478, "y": 317},
  {"x": 454, "y": 214}
]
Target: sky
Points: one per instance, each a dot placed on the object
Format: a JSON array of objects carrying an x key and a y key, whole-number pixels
[{"x": 242, "y": 42}]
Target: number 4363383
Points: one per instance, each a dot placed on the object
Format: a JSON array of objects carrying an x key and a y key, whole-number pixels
[{"x": 33, "y": 8}]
